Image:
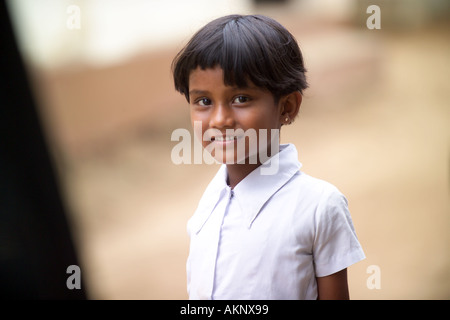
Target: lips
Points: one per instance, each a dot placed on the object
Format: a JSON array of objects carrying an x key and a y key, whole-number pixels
[{"x": 224, "y": 138}]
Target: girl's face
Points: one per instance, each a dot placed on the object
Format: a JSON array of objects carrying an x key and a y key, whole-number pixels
[{"x": 223, "y": 110}]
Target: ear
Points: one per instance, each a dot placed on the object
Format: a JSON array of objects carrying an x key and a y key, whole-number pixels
[{"x": 290, "y": 106}]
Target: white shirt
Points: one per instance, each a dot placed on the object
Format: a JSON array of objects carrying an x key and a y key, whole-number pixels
[{"x": 269, "y": 237}]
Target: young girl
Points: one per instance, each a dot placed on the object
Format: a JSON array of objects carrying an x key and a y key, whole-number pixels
[{"x": 274, "y": 234}]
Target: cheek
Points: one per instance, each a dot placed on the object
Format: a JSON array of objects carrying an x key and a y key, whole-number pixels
[
  {"x": 264, "y": 123},
  {"x": 199, "y": 125},
  {"x": 264, "y": 118}
]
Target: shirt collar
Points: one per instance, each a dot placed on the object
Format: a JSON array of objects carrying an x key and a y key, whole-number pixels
[
  {"x": 215, "y": 190},
  {"x": 259, "y": 186},
  {"x": 253, "y": 191}
]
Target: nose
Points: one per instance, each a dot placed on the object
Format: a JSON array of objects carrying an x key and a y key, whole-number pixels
[{"x": 221, "y": 117}]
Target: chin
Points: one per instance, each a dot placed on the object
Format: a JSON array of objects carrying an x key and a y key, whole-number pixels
[{"x": 225, "y": 158}]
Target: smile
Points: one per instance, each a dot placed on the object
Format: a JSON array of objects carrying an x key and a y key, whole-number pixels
[{"x": 224, "y": 138}]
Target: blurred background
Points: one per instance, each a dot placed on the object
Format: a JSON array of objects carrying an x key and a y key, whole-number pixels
[{"x": 375, "y": 122}]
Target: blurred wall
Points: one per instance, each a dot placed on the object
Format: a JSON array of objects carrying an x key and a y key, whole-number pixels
[{"x": 109, "y": 31}]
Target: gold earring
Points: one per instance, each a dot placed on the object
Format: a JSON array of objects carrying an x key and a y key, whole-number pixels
[{"x": 287, "y": 119}]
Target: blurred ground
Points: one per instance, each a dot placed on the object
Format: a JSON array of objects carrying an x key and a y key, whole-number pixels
[{"x": 375, "y": 123}]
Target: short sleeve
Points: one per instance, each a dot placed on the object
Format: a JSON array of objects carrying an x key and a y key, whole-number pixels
[{"x": 336, "y": 245}]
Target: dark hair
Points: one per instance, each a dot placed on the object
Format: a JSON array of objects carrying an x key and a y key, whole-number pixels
[{"x": 246, "y": 47}]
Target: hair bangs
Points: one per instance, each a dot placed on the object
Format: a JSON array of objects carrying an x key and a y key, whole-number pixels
[
  {"x": 232, "y": 51},
  {"x": 247, "y": 48}
]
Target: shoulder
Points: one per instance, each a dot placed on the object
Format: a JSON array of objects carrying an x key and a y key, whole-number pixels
[
  {"x": 317, "y": 201},
  {"x": 308, "y": 204},
  {"x": 315, "y": 190},
  {"x": 328, "y": 207},
  {"x": 311, "y": 198}
]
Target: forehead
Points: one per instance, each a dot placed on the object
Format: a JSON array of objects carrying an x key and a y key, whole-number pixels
[{"x": 214, "y": 77}]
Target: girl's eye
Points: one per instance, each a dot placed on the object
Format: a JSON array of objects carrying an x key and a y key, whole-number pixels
[
  {"x": 241, "y": 99},
  {"x": 204, "y": 102}
]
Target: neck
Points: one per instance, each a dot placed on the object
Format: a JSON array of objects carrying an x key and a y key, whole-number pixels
[{"x": 237, "y": 172}]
